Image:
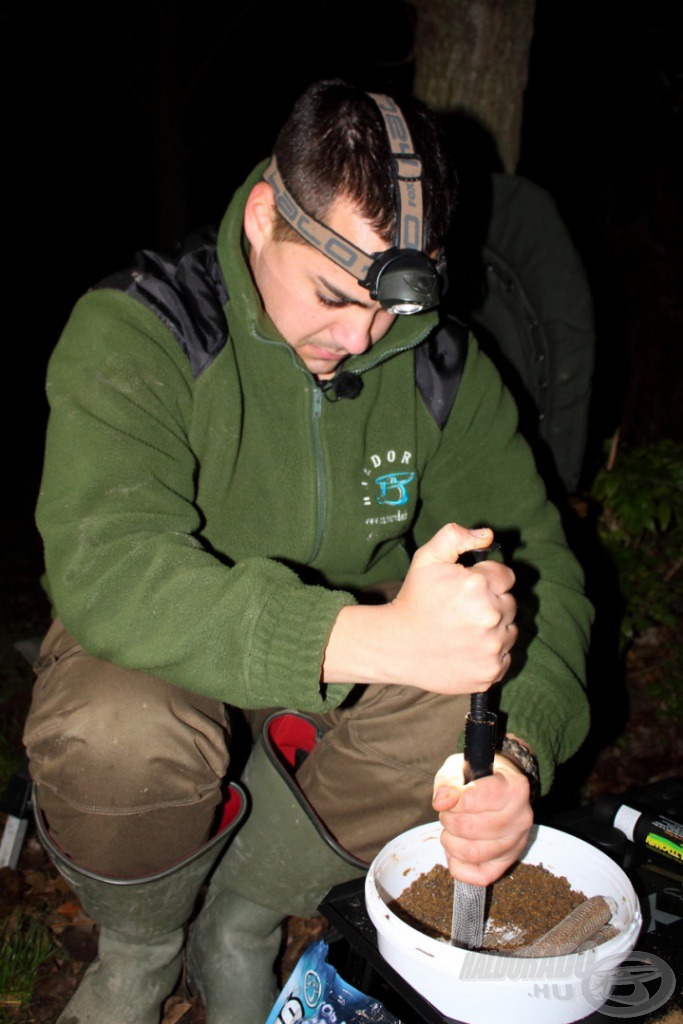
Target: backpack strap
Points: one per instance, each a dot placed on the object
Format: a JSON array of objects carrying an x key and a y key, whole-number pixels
[
  {"x": 186, "y": 291},
  {"x": 439, "y": 363},
  {"x": 188, "y": 294}
]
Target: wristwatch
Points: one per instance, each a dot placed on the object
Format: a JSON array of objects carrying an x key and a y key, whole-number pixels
[{"x": 523, "y": 759}]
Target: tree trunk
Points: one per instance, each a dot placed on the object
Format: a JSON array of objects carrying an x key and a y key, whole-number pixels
[{"x": 472, "y": 57}]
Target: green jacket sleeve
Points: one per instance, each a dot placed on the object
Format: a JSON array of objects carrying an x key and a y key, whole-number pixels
[
  {"x": 126, "y": 566},
  {"x": 483, "y": 474}
]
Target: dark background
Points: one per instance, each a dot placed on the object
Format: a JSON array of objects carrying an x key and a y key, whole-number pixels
[
  {"x": 124, "y": 125},
  {"x": 94, "y": 169},
  {"x": 84, "y": 146}
]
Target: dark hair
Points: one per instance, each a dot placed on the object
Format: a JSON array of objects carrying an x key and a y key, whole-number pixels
[{"x": 334, "y": 144}]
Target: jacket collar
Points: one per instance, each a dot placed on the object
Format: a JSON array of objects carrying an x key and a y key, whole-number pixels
[{"x": 245, "y": 312}]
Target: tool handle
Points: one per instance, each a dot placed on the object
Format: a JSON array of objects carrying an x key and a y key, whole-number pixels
[
  {"x": 480, "y": 723},
  {"x": 480, "y": 745}
]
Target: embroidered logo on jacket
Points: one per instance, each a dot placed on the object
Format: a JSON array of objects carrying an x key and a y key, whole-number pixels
[{"x": 387, "y": 484}]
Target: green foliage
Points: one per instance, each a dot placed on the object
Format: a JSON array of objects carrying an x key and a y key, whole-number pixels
[
  {"x": 25, "y": 944},
  {"x": 641, "y": 526}
]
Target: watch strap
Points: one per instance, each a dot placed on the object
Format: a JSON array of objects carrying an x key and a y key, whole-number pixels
[{"x": 523, "y": 759}]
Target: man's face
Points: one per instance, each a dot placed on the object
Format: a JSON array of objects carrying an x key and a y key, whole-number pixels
[{"x": 320, "y": 309}]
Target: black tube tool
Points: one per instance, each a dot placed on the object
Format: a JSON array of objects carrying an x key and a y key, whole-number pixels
[
  {"x": 467, "y": 926},
  {"x": 480, "y": 724}
]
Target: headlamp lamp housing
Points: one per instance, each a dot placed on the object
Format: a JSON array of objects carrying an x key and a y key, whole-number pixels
[{"x": 404, "y": 281}]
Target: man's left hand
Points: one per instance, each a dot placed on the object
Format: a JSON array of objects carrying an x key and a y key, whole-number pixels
[{"x": 486, "y": 822}]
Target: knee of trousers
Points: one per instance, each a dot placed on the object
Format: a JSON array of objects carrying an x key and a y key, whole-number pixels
[
  {"x": 371, "y": 775},
  {"x": 104, "y": 738}
]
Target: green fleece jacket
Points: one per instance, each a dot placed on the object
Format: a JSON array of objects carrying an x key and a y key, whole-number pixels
[{"x": 208, "y": 527}]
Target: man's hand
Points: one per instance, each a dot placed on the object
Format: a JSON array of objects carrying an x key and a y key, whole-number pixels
[
  {"x": 486, "y": 822},
  {"x": 449, "y": 629}
]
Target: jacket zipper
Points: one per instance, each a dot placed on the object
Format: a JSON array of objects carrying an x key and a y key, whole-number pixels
[{"x": 321, "y": 483}]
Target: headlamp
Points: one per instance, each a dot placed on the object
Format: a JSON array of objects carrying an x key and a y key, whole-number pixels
[
  {"x": 403, "y": 279},
  {"x": 403, "y": 282}
]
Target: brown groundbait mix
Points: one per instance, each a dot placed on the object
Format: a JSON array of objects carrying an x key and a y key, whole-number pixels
[{"x": 520, "y": 907}]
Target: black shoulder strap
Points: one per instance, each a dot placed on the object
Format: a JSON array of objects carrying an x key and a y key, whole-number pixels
[
  {"x": 188, "y": 294},
  {"x": 439, "y": 362},
  {"x": 186, "y": 291}
]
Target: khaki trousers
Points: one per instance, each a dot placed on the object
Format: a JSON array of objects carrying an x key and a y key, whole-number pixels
[{"x": 130, "y": 768}]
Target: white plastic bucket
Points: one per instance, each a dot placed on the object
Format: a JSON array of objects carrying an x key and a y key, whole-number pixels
[{"x": 487, "y": 988}]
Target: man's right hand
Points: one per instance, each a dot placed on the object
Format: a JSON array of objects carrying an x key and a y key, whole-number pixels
[{"x": 449, "y": 629}]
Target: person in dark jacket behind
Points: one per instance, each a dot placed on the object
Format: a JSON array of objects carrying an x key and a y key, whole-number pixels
[{"x": 266, "y": 461}]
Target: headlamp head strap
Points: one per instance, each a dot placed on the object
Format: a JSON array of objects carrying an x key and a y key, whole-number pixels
[
  {"x": 332, "y": 245},
  {"x": 407, "y": 168},
  {"x": 403, "y": 278}
]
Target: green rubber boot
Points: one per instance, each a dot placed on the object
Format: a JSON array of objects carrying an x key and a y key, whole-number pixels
[
  {"x": 282, "y": 862},
  {"x": 141, "y": 929}
]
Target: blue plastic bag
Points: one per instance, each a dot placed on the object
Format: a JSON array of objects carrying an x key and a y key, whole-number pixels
[{"x": 316, "y": 994}]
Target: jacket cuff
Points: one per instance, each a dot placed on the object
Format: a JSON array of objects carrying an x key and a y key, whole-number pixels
[{"x": 288, "y": 649}]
